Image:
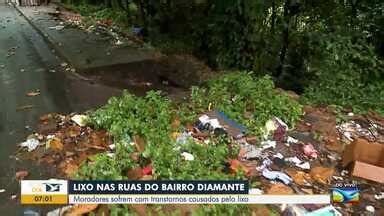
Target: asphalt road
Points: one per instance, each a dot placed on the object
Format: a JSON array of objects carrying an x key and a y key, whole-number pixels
[
  {"x": 25, "y": 64},
  {"x": 28, "y": 64}
]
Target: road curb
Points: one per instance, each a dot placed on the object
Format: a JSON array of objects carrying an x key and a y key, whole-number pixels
[{"x": 52, "y": 44}]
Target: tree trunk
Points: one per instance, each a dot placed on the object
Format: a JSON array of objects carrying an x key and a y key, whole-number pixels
[
  {"x": 285, "y": 39},
  {"x": 273, "y": 17}
]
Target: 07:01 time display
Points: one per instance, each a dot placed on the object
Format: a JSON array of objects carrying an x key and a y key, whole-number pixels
[{"x": 41, "y": 198}]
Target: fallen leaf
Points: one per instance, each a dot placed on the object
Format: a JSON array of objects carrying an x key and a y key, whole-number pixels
[
  {"x": 135, "y": 173},
  {"x": 333, "y": 144},
  {"x": 174, "y": 135},
  {"x": 139, "y": 143},
  {"x": 307, "y": 190},
  {"x": 146, "y": 178},
  {"x": 183, "y": 209},
  {"x": 55, "y": 144},
  {"x": 33, "y": 93},
  {"x": 81, "y": 209},
  {"x": 260, "y": 210},
  {"x": 236, "y": 166},
  {"x": 46, "y": 117},
  {"x": 176, "y": 123},
  {"x": 322, "y": 174},
  {"x": 73, "y": 131},
  {"x": 70, "y": 169},
  {"x": 20, "y": 175},
  {"x": 26, "y": 107},
  {"x": 279, "y": 189},
  {"x": 140, "y": 209},
  {"x": 299, "y": 177}
]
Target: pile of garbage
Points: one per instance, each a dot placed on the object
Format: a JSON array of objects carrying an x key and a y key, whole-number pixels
[
  {"x": 308, "y": 159},
  {"x": 304, "y": 160},
  {"x": 103, "y": 27}
]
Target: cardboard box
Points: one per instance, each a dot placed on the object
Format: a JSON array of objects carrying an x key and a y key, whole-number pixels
[{"x": 366, "y": 160}]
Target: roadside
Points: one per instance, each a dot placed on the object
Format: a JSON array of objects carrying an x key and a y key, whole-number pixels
[
  {"x": 237, "y": 127},
  {"x": 102, "y": 53}
]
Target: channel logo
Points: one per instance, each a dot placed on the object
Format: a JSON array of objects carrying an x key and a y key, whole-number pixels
[
  {"x": 348, "y": 194},
  {"x": 50, "y": 187}
]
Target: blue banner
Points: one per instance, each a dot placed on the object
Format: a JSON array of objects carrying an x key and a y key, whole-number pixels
[{"x": 158, "y": 187}]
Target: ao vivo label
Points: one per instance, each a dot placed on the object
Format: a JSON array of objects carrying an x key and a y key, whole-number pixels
[
  {"x": 44, "y": 192},
  {"x": 345, "y": 193}
]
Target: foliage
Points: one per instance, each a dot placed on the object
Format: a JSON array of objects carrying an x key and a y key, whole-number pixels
[
  {"x": 250, "y": 101},
  {"x": 347, "y": 75},
  {"x": 150, "y": 118}
]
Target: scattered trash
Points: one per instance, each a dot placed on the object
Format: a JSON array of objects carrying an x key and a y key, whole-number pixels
[
  {"x": 64, "y": 64},
  {"x": 20, "y": 175},
  {"x": 31, "y": 144},
  {"x": 206, "y": 123},
  {"x": 344, "y": 172},
  {"x": 147, "y": 170},
  {"x": 276, "y": 175},
  {"x": 187, "y": 156},
  {"x": 59, "y": 211},
  {"x": 291, "y": 140},
  {"x": 26, "y": 107},
  {"x": 33, "y": 93},
  {"x": 183, "y": 138},
  {"x": 379, "y": 196},
  {"x": 80, "y": 120},
  {"x": 255, "y": 191},
  {"x": 352, "y": 130},
  {"x": 278, "y": 155},
  {"x": 2, "y": 190},
  {"x": 31, "y": 212},
  {"x": 366, "y": 159},
  {"x": 310, "y": 151},
  {"x": 295, "y": 160},
  {"x": 294, "y": 210},
  {"x": 219, "y": 123},
  {"x": 277, "y": 128},
  {"x": 249, "y": 152},
  {"x": 338, "y": 178},
  {"x": 268, "y": 144},
  {"x": 57, "y": 28},
  {"x": 119, "y": 43},
  {"x": 370, "y": 208},
  {"x": 138, "y": 31},
  {"x": 325, "y": 211}
]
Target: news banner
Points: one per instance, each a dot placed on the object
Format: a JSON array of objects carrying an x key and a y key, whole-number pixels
[{"x": 154, "y": 192}]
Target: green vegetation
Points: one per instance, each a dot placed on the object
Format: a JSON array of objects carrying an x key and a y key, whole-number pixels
[
  {"x": 250, "y": 101},
  {"x": 332, "y": 51},
  {"x": 242, "y": 97},
  {"x": 348, "y": 75}
]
